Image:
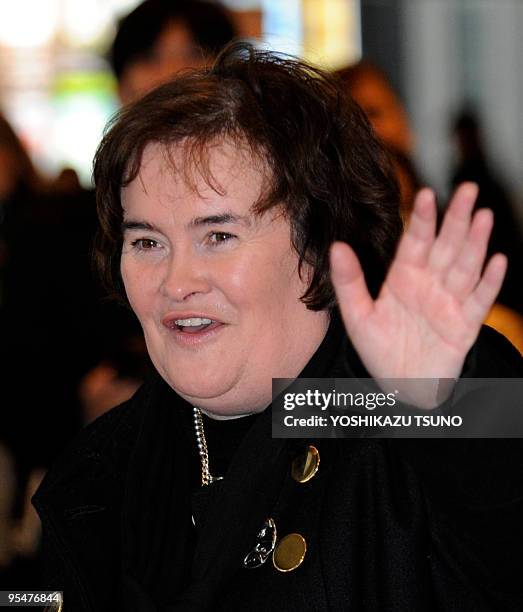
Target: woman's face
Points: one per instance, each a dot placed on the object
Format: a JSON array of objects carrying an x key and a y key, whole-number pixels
[
  {"x": 384, "y": 111},
  {"x": 215, "y": 287}
]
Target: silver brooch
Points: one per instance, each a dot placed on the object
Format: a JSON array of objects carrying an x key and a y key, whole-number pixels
[{"x": 265, "y": 543}]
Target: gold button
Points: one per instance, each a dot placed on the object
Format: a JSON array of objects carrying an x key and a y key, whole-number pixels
[
  {"x": 289, "y": 552},
  {"x": 306, "y": 464}
]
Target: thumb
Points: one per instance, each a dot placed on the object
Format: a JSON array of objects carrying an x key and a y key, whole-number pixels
[{"x": 354, "y": 300}]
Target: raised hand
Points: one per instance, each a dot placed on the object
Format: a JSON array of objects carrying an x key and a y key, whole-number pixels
[{"x": 435, "y": 297}]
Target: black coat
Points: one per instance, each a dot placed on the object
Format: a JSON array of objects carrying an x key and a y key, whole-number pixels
[{"x": 400, "y": 525}]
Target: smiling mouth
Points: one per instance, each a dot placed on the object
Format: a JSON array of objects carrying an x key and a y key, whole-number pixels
[{"x": 194, "y": 325}]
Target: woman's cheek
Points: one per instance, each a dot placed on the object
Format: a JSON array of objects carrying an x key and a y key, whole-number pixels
[
  {"x": 134, "y": 279},
  {"x": 234, "y": 278}
]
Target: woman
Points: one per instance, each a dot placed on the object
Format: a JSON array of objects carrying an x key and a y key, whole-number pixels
[
  {"x": 219, "y": 196},
  {"x": 371, "y": 89}
]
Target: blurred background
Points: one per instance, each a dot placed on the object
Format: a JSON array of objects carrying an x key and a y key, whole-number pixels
[
  {"x": 57, "y": 89},
  {"x": 440, "y": 81},
  {"x": 440, "y": 55}
]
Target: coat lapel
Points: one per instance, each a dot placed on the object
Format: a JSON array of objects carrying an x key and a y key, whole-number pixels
[{"x": 237, "y": 512}]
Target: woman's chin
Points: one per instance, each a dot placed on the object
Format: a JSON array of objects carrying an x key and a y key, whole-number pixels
[
  {"x": 222, "y": 400},
  {"x": 199, "y": 391}
]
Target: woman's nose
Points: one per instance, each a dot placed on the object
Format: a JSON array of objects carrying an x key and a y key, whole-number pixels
[{"x": 185, "y": 276}]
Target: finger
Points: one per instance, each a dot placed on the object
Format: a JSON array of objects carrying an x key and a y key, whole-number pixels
[
  {"x": 480, "y": 301},
  {"x": 415, "y": 245},
  {"x": 455, "y": 228},
  {"x": 348, "y": 279},
  {"x": 465, "y": 274}
]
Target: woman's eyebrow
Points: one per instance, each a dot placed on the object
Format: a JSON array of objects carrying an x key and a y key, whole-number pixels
[
  {"x": 137, "y": 225},
  {"x": 220, "y": 219},
  {"x": 223, "y": 218}
]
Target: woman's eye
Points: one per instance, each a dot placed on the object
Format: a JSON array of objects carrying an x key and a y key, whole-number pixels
[
  {"x": 219, "y": 237},
  {"x": 145, "y": 244}
]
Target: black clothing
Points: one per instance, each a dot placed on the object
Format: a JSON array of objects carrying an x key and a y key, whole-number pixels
[{"x": 389, "y": 524}]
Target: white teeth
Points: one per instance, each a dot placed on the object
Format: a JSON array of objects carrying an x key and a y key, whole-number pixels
[{"x": 193, "y": 322}]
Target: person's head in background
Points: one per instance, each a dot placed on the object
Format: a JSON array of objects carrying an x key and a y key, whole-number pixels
[
  {"x": 16, "y": 169},
  {"x": 371, "y": 89},
  {"x": 161, "y": 37},
  {"x": 466, "y": 130}
]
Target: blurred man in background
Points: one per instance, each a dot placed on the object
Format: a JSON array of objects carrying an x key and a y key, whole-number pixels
[{"x": 158, "y": 39}]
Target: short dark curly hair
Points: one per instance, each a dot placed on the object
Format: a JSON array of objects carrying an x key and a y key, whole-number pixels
[{"x": 327, "y": 170}]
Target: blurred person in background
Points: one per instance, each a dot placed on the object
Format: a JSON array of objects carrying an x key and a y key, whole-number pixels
[
  {"x": 45, "y": 305},
  {"x": 18, "y": 181},
  {"x": 16, "y": 175},
  {"x": 372, "y": 90},
  {"x": 22, "y": 192},
  {"x": 160, "y": 38},
  {"x": 17, "y": 172},
  {"x": 472, "y": 164}
]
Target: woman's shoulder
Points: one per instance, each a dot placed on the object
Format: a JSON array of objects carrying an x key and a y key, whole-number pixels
[
  {"x": 103, "y": 445},
  {"x": 493, "y": 356}
]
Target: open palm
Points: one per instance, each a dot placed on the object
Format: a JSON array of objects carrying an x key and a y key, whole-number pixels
[{"x": 435, "y": 297}]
